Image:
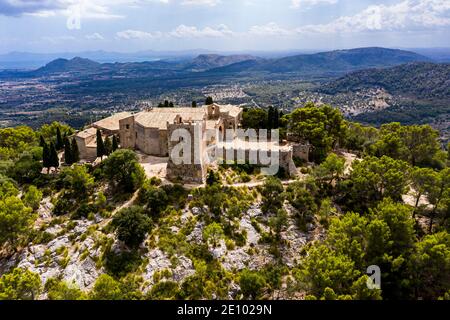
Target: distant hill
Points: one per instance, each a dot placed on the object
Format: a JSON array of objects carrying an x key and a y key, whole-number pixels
[
  {"x": 319, "y": 65},
  {"x": 332, "y": 62},
  {"x": 76, "y": 64},
  {"x": 210, "y": 61},
  {"x": 420, "y": 79}
]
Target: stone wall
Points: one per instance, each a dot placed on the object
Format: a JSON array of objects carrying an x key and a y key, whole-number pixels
[
  {"x": 195, "y": 171},
  {"x": 127, "y": 133},
  {"x": 148, "y": 140},
  {"x": 86, "y": 153},
  {"x": 301, "y": 151},
  {"x": 284, "y": 157}
]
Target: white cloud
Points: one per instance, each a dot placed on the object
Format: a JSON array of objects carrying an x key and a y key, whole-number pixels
[
  {"x": 183, "y": 31},
  {"x": 270, "y": 29},
  {"x": 94, "y": 36},
  {"x": 406, "y": 15},
  {"x": 96, "y": 9},
  {"x": 305, "y": 4},
  {"x": 138, "y": 35}
]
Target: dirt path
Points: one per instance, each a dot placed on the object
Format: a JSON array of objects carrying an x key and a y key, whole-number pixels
[{"x": 127, "y": 204}]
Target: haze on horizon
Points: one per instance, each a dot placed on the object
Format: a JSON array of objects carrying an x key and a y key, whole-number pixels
[{"x": 220, "y": 25}]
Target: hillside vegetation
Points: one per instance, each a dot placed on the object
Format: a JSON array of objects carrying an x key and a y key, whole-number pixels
[{"x": 109, "y": 232}]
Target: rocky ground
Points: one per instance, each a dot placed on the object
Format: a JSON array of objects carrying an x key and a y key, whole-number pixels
[{"x": 74, "y": 249}]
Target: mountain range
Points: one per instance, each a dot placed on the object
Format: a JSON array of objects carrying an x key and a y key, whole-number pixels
[{"x": 333, "y": 63}]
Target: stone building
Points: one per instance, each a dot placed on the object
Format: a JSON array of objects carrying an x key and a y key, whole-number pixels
[
  {"x": 87, "y": 139},
  {"x": 208, "y": 128}
]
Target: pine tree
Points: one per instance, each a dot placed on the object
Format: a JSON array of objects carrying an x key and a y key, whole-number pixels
[
  {"x": 75, "y": 152},
  {"x": 54, "y": 160},
  {"x": 115, "y": 144},
  {"x": 171, "y": 105},
  {"x": 68, "y": 158},
  {"x": 100, "y": 145},
  {"x": 166, "y": 103},
  {"x": 194, "y": 104},
  {"x": 209, "y": 101},
  {"x": 108, "y": 146},
  {"x": 59, "y": 140}
]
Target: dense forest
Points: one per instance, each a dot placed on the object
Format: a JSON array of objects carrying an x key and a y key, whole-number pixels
[{"x": 367, "y": 197}]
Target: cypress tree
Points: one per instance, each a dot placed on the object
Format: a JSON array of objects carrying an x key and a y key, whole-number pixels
[
  {"x": 59, "y": 140},
  {"x": 270, "y": 118},
  {"x": 75, "y": 152},
  {"x": 68, "y": 158},
  {"x": 108, "y": 146},
  {"x": 166, "y": 103},
  {"x": 209, "y": 100},
  {"x": 276, "y": 121},
  {"x": 46, "y": 156},
  {"x": 54, "y": 160},
  {"x": 115, "y": 144},
  {"x": 194, "y": 104},
  {"x": 42, "y": 142},
  {"x": 100, "y": 145},
  {"x": 171, "y": 105}
]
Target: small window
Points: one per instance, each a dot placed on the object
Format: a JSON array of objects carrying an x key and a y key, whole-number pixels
[{"x": 128, "y": 127}]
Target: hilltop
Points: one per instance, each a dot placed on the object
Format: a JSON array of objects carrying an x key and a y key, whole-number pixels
[{"x": 424, "y": 80}]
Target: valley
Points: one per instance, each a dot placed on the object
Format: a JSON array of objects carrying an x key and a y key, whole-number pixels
[{"x": 369, "y": 85}]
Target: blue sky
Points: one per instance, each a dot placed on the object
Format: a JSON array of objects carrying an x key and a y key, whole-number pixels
[{"x": 223, "y": 25}]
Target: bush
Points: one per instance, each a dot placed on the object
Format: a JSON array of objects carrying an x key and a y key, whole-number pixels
[
  {"x": 164, "y": 290},
  {"x": 83, "y": 211},
  {"x": 59, "y": 290},
  {"x": 131, "y": 225},
  {"x": 123, "y": 170},
  {"x": 155, "y": 199},
  {"x": 106, "y": 288},
  {"x": 121, "y": 263},
  {"x": 20, "y": 284},
  {"x": 251, "y": 283},
  {"x": 32, "y": 197}
]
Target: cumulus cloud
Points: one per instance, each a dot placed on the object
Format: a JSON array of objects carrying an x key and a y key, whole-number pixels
[{"x": 406, "y": 15}]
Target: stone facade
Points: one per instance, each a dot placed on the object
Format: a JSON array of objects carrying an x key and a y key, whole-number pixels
[{"x": 150, "y": 132}]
